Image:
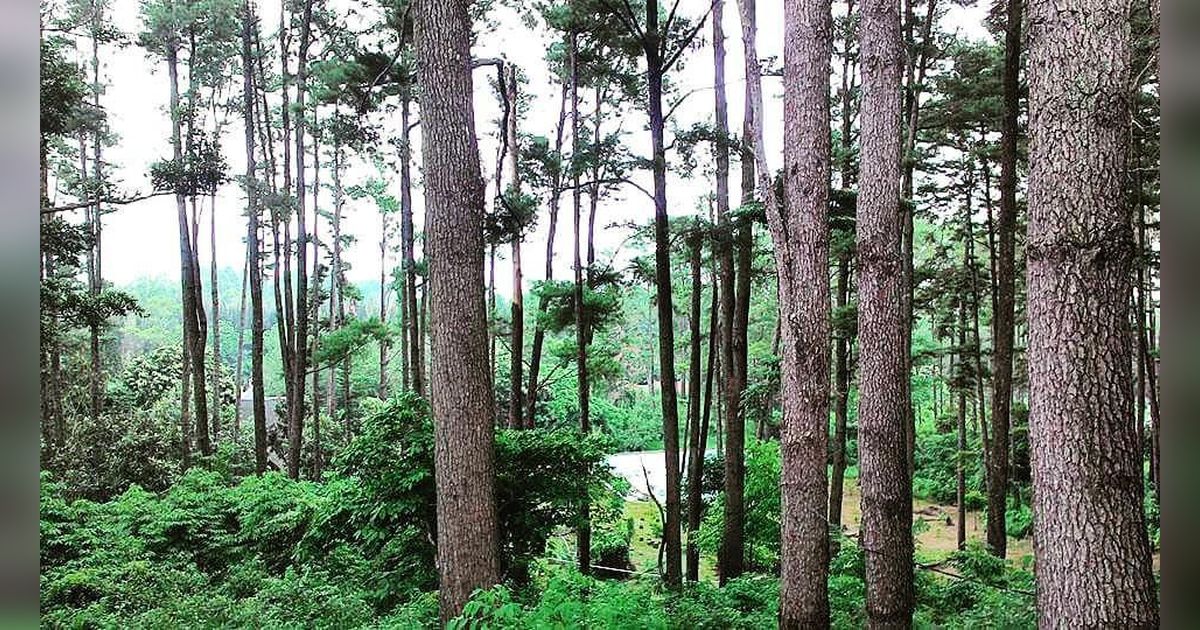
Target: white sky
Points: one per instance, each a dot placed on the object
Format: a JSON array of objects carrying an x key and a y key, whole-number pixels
[{"x": 142, "y": 239}]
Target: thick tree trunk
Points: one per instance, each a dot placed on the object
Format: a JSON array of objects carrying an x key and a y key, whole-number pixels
[
  {"x": 883, "y": 406},
  {"x": 1090, "y": 544},
  {"x": 462, "y": 397},
  {"x": 800, "y": 234}
]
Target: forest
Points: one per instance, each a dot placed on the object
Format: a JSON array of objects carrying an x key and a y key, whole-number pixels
[{"x": 442, "y": 313}]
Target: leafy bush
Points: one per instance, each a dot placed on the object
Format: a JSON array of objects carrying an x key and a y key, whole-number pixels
[
  {"x": 762, "y": 510},
  {"x": 268, "y": 550}
]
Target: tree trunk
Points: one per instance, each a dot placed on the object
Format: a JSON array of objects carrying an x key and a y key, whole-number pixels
[
  {"x": 841, "y": 369},
  {"x": 416, "y": 360},
  {"x": 733, "y": 547},
  {"x": 95, "y": 277},
  {"x": 584, "y": 532},
  {"x": 539, "y": 334},
  {"x": 1004, "y": 314},
  {"x": 194, "y": 352},
  {"x": 516, "y": 402},
  {"x": 720, "y": 249},
  {"x": 973, "y": 290},
  {"x": 801, "y": 237},
  {"x": 960, "y": 494},
  {"x": 883, "y": 412},
  {"x": 915, "y": 66},
  {"x": 695, "y": 456},
  {"x": 239, "y": 380},
  {"x": 300, "y": 356},
  {"x": 253, "y": 267},
  {"x": 662, "y": 281},
  {"x": 1090, "y": 544},
  {"x": 461, "y": 396},
  {"x": 216, "y": 318}
]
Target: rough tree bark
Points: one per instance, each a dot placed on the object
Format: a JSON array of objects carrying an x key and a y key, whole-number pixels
[
  {"x": 1090, "y": 544},
  {"x": 883, "y": 406},
  {"x": 800, "y": 233},
  {"x": 462, "y": 398}
]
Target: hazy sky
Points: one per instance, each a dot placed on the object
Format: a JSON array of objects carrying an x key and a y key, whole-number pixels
[{"x": 142, "y": 239}]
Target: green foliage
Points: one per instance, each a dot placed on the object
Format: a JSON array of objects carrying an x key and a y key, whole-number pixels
[
  {"x": 334, "y": 553},
  {"x": 762, "y": 504}
]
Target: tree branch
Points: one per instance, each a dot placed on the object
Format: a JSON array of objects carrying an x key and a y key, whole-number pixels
[{"x": 118, "y": 201}]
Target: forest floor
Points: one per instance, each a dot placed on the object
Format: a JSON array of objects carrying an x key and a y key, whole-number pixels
[{"x": 934, "y": 542}]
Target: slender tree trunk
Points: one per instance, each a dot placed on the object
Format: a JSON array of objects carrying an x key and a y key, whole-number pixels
[
  {"x": 95, "y": 278},
  {"x": 384, "y": 228},
  {"x": 300, "y": 357},
  {"x": 662, "y": 280},
  {"x": 977, "y": 348},
  {"x": 416, "y": 359},
  {"x": 193, "y": 351},
  {"x": 733, "y": 358},
  {"x": 584, "y": 532},
  {"x": 695, "y": 456},
  {"x": 696, "y": 465},
  {"x": 841, "y": 369},
  {"x": 1092, "y": 553},
  {"x": 216, "y": 317},
  {"x": 539, "y": 334},
  {"x": 462, "y": 397},
  {"x": 516, "y": 403},
  {"x": 1004, "y": 314},
  {"x": 916, "y": 64},
  {"x": 239, "y": 379},
  {"x": 253, "y": 268},
  {"x": 960, "y": 495},
  {"x": 883, "y": 409}
]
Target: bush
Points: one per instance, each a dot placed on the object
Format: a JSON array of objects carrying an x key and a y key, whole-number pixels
[{"x": 268, "y": 550}]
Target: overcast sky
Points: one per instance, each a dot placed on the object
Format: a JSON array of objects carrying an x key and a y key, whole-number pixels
[{"x": 142, "y": 239}]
